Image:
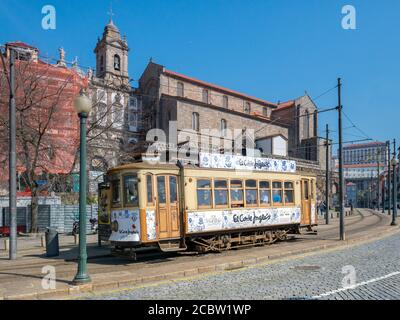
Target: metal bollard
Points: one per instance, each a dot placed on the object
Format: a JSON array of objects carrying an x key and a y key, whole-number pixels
[
  {"x": 75, "y": 239},
  {"x": 42, "y": 241},
  {"x": 6, "y": 244}
]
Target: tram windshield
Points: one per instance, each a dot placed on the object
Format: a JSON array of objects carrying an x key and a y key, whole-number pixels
[{"x": 131, "y": 196}]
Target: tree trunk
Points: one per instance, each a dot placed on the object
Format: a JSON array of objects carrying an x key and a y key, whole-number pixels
[{"x": 35, "y": 209}]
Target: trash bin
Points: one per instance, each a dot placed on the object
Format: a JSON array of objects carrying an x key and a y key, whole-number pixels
[{"x": 52, "y": 248}]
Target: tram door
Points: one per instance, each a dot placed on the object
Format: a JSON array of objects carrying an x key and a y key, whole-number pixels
[
  {"x": 168, "y": 207},
  {"x": 305, "y": 202}
]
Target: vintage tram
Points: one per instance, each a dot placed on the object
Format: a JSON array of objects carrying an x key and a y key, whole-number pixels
[{"x": 204, "y": 208}]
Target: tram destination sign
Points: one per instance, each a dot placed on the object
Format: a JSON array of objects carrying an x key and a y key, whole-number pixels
[{"x": 226, "y": 161}]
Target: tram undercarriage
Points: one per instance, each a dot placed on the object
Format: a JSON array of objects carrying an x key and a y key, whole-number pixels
[{"x": 224, "y": 242}]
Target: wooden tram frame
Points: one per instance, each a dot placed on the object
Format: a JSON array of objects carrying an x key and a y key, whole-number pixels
[{"x": 171, "y": 219}]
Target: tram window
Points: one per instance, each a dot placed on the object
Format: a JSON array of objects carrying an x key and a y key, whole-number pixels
[
  {"x": 131, "y": 195},
  {"x": 237, "y": 193},
  {"x": 221, "y": 193},
  {"x": 149, "y": 186},
  {"x": 204, "y": 193},
  {"x": 277, "y": 192},
  {"x": 289, "y": 192},
  {"x": 173, "y": 196},
  {"x": 305, "y": 190},
  {"x": 265, "y": 193},
  {"x": 161, "y": 189},
  {"x": 251, "y": 193},
  {"x": 115, "y": 192},
  {"x": 312, "y": 189}
]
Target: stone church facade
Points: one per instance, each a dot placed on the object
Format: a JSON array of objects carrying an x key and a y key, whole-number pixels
[
  {"x": 114, "y": 123},
  {"x": 124, "y": 115}
]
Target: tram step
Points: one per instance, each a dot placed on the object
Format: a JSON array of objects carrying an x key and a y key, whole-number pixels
[{"x": 172, "y": 245}]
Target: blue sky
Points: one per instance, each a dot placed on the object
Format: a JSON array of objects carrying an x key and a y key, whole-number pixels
[{"x": 271, "y": 49}]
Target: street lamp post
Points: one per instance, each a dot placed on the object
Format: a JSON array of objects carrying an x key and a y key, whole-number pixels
[
  {"x": 12, "y": 162},
  {"x": 82, "y": 106}
]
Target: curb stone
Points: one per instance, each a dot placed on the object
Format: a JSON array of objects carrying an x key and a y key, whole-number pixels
[
  {"x": 85, "y": 288},
  {"x": 23, "y": 296},
  {"x": 52, "y": 293}
]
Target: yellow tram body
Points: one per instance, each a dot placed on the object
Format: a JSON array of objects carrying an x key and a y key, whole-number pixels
[{"x": 180, "y": 207}]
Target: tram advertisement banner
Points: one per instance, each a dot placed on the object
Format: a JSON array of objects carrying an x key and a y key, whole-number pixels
[
  {"x": 226, "y": 161},
  {"x": 125, "y": 225},
  {"x": 205, "y": 221}
]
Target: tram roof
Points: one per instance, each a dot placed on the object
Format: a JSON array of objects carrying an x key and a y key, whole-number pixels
[
  {"x": 159, "y": 166},
  {"x": 143, "y": 165}
]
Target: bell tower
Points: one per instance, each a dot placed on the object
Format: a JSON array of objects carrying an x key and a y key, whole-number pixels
[{"x": 112, "y": 55}]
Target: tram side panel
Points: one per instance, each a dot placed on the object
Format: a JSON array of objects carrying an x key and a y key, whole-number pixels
[{"x": 201, "y": 221}]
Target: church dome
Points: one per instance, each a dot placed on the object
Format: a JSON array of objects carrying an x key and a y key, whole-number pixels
[{"x": 111, "y": 26}]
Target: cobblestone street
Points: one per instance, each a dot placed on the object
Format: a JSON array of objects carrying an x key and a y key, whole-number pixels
[{"x": 318, "y": 276}]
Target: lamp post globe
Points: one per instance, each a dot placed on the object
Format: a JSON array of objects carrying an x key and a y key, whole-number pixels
[{"x": 82, "y": 105}]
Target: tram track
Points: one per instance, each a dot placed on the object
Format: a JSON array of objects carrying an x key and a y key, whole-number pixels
[{"x": 353, "y": 226}]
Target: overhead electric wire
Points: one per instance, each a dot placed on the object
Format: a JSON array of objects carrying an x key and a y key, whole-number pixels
[{"x": 356, "y": 127}]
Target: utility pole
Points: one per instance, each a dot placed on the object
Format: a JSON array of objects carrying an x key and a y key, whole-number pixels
[
  {"x": 394, "y": 190},
  {"x": 341, "y": 182},
  {"x": 378, "y": 195},
  {"x": 383, "y": 194},
  {"x": 12, "y": 164},
  {"x": 389, "y": 177},
  {"x": 327, "y": 191}
]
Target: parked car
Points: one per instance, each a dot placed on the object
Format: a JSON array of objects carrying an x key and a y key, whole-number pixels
[{"x": 5, "y": 231}]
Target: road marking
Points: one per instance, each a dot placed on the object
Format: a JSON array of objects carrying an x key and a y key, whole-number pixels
[{"x": 357, "y": 285}]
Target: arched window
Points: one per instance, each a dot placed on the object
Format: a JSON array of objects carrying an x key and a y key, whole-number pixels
[
  {"x": 223, "y": 127},
  {"x": 205, "y": 96},
  {"x": 306, "y": 124},
  {"x": 195, "y": 121},
  {"x": 225, "y": 102},
  {"x": 247, "y": 107},
  {"x": 180, "y": 89},
  {"x": 101, "y": 63},
  {"x": 117, "y": 62}
]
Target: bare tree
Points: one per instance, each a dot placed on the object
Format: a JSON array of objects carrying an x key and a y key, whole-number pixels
[{"x": 47, "y": 128}]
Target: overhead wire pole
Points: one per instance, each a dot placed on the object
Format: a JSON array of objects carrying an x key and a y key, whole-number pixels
[
  {"x": 378, "y": 195},
  {"x": 389, "y": 177},
  {"x": 341, "y": 182},
  {"x": 394, "y": 187},
  {"x": 12, "y": 163},
  {"x": 327, "y": 191}
]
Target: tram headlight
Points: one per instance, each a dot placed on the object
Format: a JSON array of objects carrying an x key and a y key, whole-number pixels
[{"x": 114, "y": 226}]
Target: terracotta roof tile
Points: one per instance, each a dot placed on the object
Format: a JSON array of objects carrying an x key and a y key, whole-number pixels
[{"x": 216, "y": 87}]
